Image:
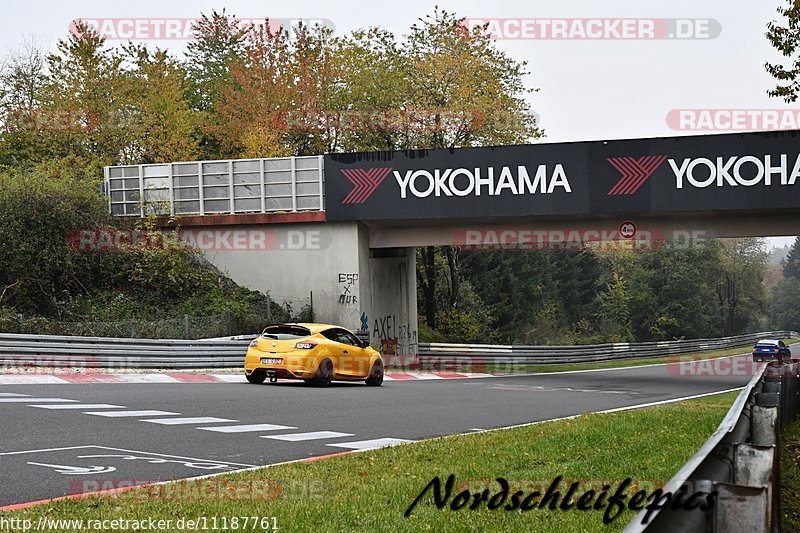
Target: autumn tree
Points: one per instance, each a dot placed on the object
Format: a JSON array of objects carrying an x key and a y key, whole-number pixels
[
  {"x": 785, "y": 37},
  {"x": 162, "y": 125},
  {"x": 277, "y": 82},
  {"x": 218, "y": 44},
  {"x": 86, "y": 79},
  {"x": 22, "y": 78},
  {"x": 470, "y": 93}
]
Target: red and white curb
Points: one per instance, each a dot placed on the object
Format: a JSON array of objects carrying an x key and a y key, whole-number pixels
[{"x": 103, "y": 377}]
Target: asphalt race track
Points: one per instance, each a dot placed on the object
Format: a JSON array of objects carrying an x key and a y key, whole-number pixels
[{"x": 57, "y": 439}]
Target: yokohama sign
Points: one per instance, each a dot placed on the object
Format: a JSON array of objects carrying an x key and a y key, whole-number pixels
[{"x": 682, "y": 174}]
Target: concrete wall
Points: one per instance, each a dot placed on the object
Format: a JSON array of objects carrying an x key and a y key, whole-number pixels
[
  {"x": 393, "y": 318},
  {"x": 351, "y": 285}
]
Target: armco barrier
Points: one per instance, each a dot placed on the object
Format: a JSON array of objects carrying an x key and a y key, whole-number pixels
[
  {"x": 441, "y": 355},
  {"x": 739, "y": 464},
  {"x": 103, "y": 352},
  {"x": 116, "y": 353}
]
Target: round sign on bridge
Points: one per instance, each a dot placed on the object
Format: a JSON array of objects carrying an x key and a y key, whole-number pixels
[{"x": 627, "y": 229}]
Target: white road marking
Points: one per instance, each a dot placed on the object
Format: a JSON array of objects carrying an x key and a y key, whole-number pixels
[
  {"x": 314, "y": 435},
  {"x": 246, "y": 428},
  {"x": 5, "y": 394},
  {"x": 194, "y": 420},
  {"x": 80, "y": 406},
  {"x": 230, "y": 378},
  {"x": 294, "y": 461},
  {"x": 146, "y": 378},
  {"x": 129, "y": 452},
  {"x": 34, "y": 400},
  {"x": 671, "y": 400},
  {"x": 617, "y": 409},
  {"x": 20, "y": 379},
  {"x": 370, "y": 444},
  {"x": 77, "y": 470},
  {"x": 119, "y": 414},
  {"x": 538, "y": 388}
]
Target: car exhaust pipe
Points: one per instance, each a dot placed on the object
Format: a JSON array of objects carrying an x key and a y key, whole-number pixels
[{"x": 271, "y": 376}]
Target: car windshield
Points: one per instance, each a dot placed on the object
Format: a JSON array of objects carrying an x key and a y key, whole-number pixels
[
  {"x": 285, "y": 332},
  {"x": 767, "y": 344}
]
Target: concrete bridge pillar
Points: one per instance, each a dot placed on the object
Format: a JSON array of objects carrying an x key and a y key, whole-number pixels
[{"x": 352, "y": 285}]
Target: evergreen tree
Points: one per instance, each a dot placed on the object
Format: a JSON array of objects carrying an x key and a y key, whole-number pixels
[{"x": 791, "y": 268}]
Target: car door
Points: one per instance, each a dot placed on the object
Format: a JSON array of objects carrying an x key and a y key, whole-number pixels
[
  {"x": 335, "y": 348},
  {"x": 354, "y": 361}
]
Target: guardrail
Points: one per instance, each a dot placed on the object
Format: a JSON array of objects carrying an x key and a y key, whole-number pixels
[
  {"x": 739, "y": 464},
  {"x": 105, "y": 352},
  {"x": 442, "y": 355}
]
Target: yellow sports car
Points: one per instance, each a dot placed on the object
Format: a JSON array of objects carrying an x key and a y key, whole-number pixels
[{"x": 315, "y": 353}]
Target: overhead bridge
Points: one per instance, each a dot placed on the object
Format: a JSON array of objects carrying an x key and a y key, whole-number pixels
[{"x": 346, "y": 225}]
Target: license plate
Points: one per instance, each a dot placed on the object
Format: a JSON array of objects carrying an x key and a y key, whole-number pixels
[{"x": 271, "y": 361}]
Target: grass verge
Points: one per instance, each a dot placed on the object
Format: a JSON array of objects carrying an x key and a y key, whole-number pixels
[
  {"x": 370, "y": 491},
  {"x": 790, "y": 477}
]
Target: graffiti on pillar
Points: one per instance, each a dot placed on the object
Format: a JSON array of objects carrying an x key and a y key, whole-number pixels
[
  {"x": 397, "y": 335},
  {"x": 364, "y": 322},
  {"x": 389, "y": 346},
  {"x": 348, "y": 289},
  {"x": 348, "y": 298}
]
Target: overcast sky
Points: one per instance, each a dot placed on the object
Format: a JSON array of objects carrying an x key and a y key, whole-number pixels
[{"x": 588, "y": 89}]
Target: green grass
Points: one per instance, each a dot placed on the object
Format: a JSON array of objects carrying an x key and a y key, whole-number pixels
[
  {"x": 370, "y": 491},
  {"x": 790, "y": 477},
  {"x": 618, "y": 363}
]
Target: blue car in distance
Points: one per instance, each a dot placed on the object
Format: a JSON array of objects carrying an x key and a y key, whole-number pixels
[{"x": 771, "y": 350}]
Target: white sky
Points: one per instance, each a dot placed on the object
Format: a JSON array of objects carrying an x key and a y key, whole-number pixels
[{"x": 587, "y": 89}]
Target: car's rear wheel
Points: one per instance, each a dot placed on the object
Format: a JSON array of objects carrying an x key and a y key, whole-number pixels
[
  {"x": 256, "y": 377},
  {"x": 375, "y": 378},
  {"x": 324, "y": 374}
]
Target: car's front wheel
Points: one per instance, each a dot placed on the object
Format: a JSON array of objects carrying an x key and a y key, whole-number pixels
[
  {"x": 375, "y": 378},
  {"x": 256, "y": 378}
]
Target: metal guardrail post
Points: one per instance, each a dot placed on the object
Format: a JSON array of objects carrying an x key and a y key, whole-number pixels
[
  {"x": 740, "y": 461},
  {"x": 765, "y": 419}
]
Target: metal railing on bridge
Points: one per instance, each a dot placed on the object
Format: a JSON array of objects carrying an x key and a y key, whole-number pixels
[{"x": 285, "y": 184}]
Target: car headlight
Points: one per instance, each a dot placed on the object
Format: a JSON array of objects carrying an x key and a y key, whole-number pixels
[{"x": 254, "y": 343}]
